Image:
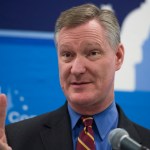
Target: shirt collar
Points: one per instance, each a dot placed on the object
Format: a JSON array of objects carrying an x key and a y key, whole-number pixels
[
  {"x": 74, "y": 116},
  {"x": 105, "y": 121}
]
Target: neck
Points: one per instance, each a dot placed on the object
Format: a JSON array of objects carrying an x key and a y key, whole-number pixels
[{"x": 90, "y": 109}]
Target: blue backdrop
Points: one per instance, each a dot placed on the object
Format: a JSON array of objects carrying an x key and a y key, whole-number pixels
[{"x": 28, "y": 60}]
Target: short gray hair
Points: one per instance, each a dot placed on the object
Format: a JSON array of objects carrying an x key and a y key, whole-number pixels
[{"x": 78, "y": 15}]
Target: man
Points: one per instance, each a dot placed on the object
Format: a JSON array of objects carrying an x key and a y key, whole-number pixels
[{"x": 89, "y": 53}]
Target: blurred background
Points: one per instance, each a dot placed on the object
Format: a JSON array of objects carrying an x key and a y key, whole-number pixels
[{"x": 28, "y": 60}]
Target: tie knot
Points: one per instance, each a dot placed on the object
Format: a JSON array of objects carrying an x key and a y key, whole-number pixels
[{"x": 87, "y": 121}]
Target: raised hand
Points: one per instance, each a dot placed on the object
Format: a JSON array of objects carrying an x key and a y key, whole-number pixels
[{"x": 3, "y": 140}]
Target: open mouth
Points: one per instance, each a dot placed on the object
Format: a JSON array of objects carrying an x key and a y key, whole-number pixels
[{"x": 78, "y": 84}]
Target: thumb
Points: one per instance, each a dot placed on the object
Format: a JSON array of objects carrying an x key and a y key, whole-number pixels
[{"x": 3, "y": 105}]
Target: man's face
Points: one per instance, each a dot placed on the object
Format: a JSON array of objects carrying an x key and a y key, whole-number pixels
[{"x": 87, "y": 66}]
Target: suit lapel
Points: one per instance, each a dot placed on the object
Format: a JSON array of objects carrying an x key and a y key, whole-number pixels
[
  {"x": 57, "y": 131},
  {"x": 126, "y": 124},
  {"x": 57, "y": 135}
]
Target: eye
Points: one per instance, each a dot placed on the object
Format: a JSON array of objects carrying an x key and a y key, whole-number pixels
[
  {"x": 94, "y": 54},
  {"x": 67, "y": 56}
]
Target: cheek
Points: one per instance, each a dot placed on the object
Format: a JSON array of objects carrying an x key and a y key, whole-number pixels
[
  {"x": 105, "y": 70},
  {"x": 63, "y": 73},
  {"x": 109, "y": 72}
]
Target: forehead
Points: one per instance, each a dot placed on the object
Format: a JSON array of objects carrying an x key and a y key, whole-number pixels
[{"x": 90, "y": 31}]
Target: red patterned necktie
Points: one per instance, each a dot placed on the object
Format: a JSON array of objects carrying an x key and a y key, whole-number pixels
[{"x": 86, "y": 137}]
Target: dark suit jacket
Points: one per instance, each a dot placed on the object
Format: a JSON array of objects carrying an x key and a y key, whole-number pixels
[{"x": 52, "y": 131}]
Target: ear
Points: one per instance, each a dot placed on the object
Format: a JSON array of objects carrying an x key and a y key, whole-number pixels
[{"x": 119, "y": 56}]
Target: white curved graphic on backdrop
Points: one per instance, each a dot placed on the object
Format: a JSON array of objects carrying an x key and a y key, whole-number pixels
[{"x": 134, "y": 32}]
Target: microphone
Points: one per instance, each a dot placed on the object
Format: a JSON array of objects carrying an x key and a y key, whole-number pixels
[{"x": 120, "y": 140}]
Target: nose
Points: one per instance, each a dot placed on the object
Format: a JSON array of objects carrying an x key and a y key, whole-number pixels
[{"x": 78, "y": 66}]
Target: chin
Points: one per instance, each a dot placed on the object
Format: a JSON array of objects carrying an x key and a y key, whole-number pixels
[{"x": 81, "y": 99}]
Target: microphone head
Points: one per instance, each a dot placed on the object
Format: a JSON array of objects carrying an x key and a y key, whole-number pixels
[{"x": 115, "y": 137}]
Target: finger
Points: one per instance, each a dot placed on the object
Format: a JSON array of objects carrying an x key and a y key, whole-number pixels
[
  {"x": 4, "y": 146},
  {"x": 3, "y": 104}
]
